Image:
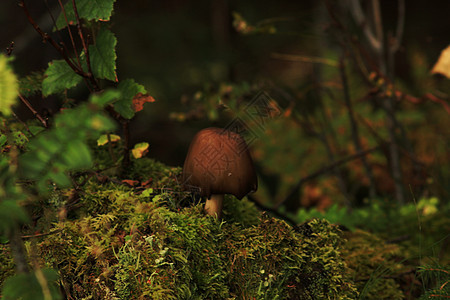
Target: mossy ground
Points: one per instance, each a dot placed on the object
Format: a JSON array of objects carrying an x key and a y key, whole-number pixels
[{"x": 152, "y": 241}]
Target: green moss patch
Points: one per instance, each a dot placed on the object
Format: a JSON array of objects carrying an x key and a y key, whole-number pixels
[{"x": 121, "y": 242}]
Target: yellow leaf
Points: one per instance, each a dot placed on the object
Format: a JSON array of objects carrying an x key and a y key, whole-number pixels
[
  {"x": 103, "y": 140},
  {"x": 442, "y": 66},
  {"x": 140, "y": 150}
]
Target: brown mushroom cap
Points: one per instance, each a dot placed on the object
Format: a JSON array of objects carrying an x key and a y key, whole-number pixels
[{"x": 218, "y": 162}]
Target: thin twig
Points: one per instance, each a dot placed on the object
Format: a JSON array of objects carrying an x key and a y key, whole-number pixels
[
  {"x": 58, "y": 32},
  {"x": 77, "y": 57},
  {"x": 354, "y": 128},
  {"x": 400, "y": 27},
  {"x": 40, "y": 234},
  {"x": 10, "y": 49},
  {"x": 35, "y": 113},
  {"x": 361, "y": 20},
  {"x": 308, "y": 59},
  {"x": 378, "y": 23},
  {"x": 325, "y": 170},
  {"x": 48, "y": 38},
  {"x": 23, "y": 123},
  {"x": 85, "y": 48}
]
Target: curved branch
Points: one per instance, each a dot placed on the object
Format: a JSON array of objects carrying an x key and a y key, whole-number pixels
[
  {"x": 400, "y": 27},
  {"x": 324, "y": 170},
  {"x": 361, "y": 20}
]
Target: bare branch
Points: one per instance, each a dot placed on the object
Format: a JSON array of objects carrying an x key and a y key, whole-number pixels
[
  {"x": 48, "y": 38},
  {"x": 325, "y": 170},
  {"x": 85, "y": 48},
  {"x": 400, "y": 27},
  {"x": 70, "y": 34},
  {"x": 35, "y": 113},
  {"x": 354, "y": 128},
  {"x": 307, "y": 59},
  {"x": 378, "y": 22},
  {"x": 10, "y": 49},
  {"x": 361, "y": 20}
]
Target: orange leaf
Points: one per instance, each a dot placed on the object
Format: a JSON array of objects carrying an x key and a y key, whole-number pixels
[
  {"x": 140, "y": 99},
  {"x": 130, "y": 182}
]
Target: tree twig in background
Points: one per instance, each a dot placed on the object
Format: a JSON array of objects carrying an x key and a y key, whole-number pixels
[
  {"x": 35, "y": 113},
  {"x": 85, "y": 48},
  {"x": 307, "y": 59},
  {"x": 361, "y": 20},
  {"x": 325, "y": 170},
  {"x": 394, "y": 44},
  {"x": 383, "y": 67},
  {"x": 354, "y": 128},
  {"x": 77, "y": 57},
  {"x": 48, "y": 38}
]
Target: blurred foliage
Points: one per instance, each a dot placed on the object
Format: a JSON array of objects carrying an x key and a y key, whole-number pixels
[
  {"x": 289, "y": 77},
  {"x": 8, "y": 86}
]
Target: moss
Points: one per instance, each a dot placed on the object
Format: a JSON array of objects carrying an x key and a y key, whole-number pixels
[
  {"x": 123, "y": 243},
  {"x": 152, "y": 241},
  {"x": 375, "y": 267},
  {"x": 6, "y": 263}
]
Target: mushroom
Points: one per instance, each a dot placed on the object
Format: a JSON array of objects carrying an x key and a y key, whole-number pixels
[{"x": 218, "y": 162}]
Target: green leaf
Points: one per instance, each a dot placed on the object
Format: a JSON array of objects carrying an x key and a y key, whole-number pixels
[
  {"x": 103, "y": 55},
  {"x": 28, "y": 287},
  {"x": 3, "y": 139},
  {"x": 8, "y": 87},
  {"x": 105, "y": 98},
  {"x": 128, "y": 88},
  {"x": 59, "y": 78},
  {"x": 87, "y": 9}
]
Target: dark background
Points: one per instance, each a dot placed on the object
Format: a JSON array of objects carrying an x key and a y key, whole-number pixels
[{"x": 174, "y": 48}]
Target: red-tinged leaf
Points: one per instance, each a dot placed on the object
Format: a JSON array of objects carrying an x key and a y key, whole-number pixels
[
  {"x": 147, "y": 183},
  {"x": 140, "y": 99},
  {"x": 130, "y": 182}
]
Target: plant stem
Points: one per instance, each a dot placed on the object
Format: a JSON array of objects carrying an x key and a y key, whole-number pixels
[{"x": 18, "y": 251}]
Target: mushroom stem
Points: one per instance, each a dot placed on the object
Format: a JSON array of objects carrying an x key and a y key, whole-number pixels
[{"x": 213, "y": 205}]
